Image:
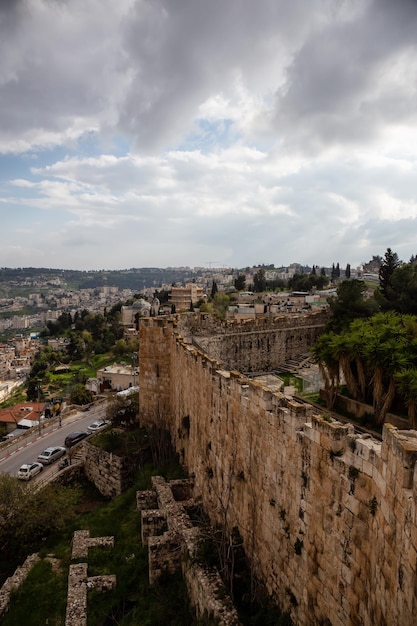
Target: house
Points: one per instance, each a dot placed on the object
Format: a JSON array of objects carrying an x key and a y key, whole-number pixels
[
  {"x": 21, "y": 417},
  {"x": 117, "y": 377}
]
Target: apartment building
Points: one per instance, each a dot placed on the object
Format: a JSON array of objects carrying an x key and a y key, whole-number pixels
[{"x": 182, "y": 297}]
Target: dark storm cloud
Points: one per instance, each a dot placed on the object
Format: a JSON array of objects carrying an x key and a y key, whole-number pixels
[
  {"x": 184, "y": 52},
  {"x": 60, "y": 69},
  {"x": 335, "y": 87}
]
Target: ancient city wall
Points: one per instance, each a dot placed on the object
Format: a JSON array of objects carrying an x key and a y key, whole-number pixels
[
  {"x": 255, "y": 345},
  {"x": 328, "y": 518}
]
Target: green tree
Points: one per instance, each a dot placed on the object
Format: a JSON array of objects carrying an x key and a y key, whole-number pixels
[
  {"x": 162, "y": 295},
  {"x": 407, "y": 387},
  {"x": 306, "y": 282},
  {"x": 389, "y": 264},
  {"x": 259, "y": 280},
  {"x": 240, "y": 282},
  {"x": 347, "y": 270},
  {"x": 326, "y": 354},
  {"x": 349, "y": 304},
  {"x": 124, "y": 410},
  {"x": 378, "y": 357},
  {"x": 403, "y": 289},
  {"x": 120, "y": 348},
  {"x": 220, "y": 304},
  {"x": 214, "y": 289},
  {"x": 80, "y": 395},
  {"x": 28, "y": 516}
]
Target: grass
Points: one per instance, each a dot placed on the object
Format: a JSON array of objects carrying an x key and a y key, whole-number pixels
[
  {"x": 42, "y": 597},
  {"x": 290, "y": 379},
  {"x": 59, "y": 384},
  {"x": 19, "y": 395},
  {"x": 121, "y": 442}
]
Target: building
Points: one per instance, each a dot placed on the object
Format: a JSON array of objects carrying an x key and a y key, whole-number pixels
[
  {"x": 117, "y": 377},
  {"x": 140, "y": 308},
  {"x": 183, "y": 297}
]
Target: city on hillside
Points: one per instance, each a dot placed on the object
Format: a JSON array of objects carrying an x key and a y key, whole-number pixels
[
  {"x": 30, "y": 297},
  {"x": 41, "y": 305}
]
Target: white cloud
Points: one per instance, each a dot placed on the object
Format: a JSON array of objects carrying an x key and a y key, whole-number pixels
[{"x": 174, "y": 132}]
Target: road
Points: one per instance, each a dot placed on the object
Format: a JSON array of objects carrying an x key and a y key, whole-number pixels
[{"x": 28, "y": 446}]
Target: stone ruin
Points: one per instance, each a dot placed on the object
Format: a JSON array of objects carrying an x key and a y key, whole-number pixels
[
  {"x": 173, "y": 541},
  {"x": 13, "y": 582},
  {"x": 79, "y": 583}
]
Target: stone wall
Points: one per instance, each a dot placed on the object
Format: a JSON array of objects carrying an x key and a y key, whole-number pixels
[
  {"x": 360, "y": 409},
  {"x": 173, "y": 541},
  {"x": 13, "y": 582},
  {"x": 110, "y": 473},
  {"x": 79, "y": 583},
  {"x": 328, "y": 517},
  {"x": 258, "y": 345}
]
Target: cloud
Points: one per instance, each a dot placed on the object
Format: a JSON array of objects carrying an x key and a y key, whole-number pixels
[
  {"x": 351, "y": 79},
  {"x": 151, "y": 132}
]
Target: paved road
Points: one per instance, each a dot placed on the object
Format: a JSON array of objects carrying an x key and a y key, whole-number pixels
[{"x": 28, "y": 446}]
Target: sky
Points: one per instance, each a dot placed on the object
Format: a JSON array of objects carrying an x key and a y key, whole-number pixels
[{"x": 220, "y": 133}]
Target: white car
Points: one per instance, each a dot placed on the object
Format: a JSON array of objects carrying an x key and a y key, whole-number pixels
[
  {"x": 29, "y": 470},
  {"x": 49, "y": 455},
  {"x": 97, "y": 426}
]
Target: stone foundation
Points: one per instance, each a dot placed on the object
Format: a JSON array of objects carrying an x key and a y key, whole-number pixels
[
  {"x": 79, "y": 583},
  {"x": 172, "y": 542}
]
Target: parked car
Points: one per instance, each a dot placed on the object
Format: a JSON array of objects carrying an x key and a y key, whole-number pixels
[
  {"x": 98, "y": 425},
  {"x": 51, "y": 454},
  {"x": 74, "y": 438},
  {"x": 29, "y": 470}
]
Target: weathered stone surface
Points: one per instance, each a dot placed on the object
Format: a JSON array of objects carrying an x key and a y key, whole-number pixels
[
  {"x": 110, "y": 473},
  {"x": 308, "y": 497},
  {"x": 79, "y": 583},
  {"x": 78, "y": 586},
  {"x": 176, "y": 547},
  {"x": 82, "y": 541},
  {"x": 13, "y": 582}
]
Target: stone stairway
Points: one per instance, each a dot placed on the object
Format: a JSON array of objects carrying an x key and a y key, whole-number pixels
[{"x": 294, "y": 365}]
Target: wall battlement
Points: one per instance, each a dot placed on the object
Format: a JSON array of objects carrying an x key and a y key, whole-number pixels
[
  {"x": 254, "y": 345},
  {"x": 328, "y": 517}
]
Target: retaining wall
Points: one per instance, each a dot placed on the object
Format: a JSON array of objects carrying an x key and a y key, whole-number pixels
[{"x": 110, "y": 473}]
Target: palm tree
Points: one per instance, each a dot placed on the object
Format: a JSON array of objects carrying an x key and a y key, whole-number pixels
[
  {"x": 358, "y": 338},
  {"x": 407, "y": 388},
  {"x": 324, "y": 355},
  {"x": 386, "y": 353}
]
